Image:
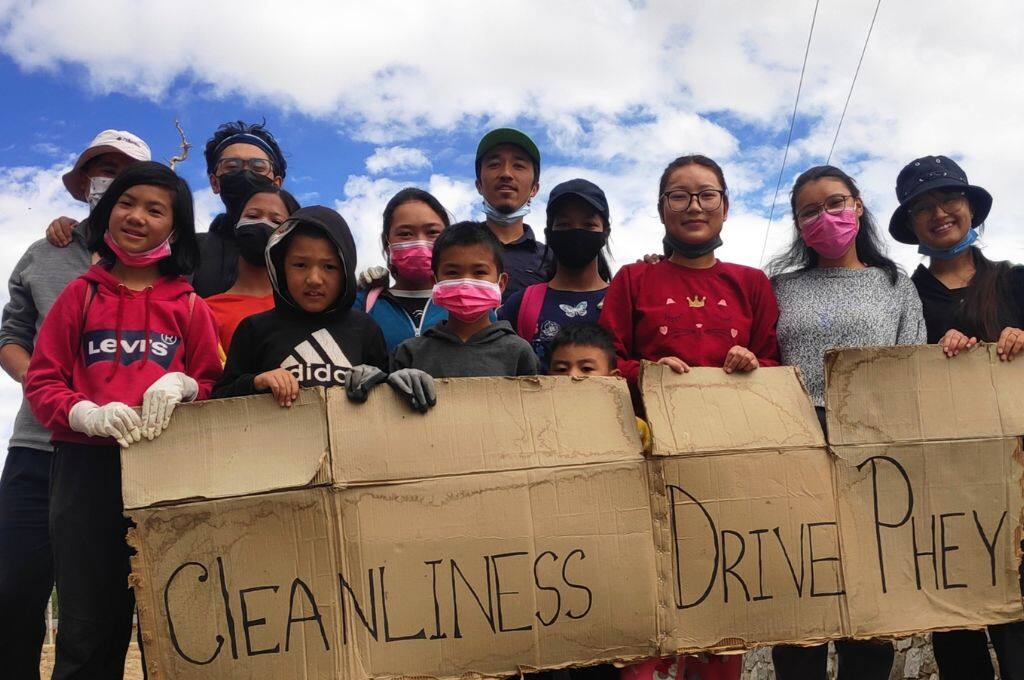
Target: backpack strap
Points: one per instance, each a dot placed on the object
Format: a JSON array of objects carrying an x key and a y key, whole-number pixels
[
  {"x": 371, "y": 297},
  {"x": 529, "y": 310}
]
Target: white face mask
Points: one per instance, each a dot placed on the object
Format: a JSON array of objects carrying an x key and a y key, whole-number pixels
[{"x": 97, "y": 187}]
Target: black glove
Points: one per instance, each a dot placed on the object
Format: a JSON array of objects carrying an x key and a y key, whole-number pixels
[
  {"x": 361, "y": 379},
  {"x": 415, "y": 385}
]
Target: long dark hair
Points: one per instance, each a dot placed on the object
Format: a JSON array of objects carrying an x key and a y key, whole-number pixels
[
  {"x": 990, "y": 287},
  {"x": 409, "y": 195},
  {"x": 801, "y": 257},
  {"x": 184, "y": 256}
]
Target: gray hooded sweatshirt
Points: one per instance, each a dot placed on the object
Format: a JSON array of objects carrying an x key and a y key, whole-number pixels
[
  {"x": 494, "y": 351},
  {"x": 38, "y": 278}
]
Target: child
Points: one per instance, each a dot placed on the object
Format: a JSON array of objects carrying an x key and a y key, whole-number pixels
[
  {"x": 577, "y": 229},
  {"x": 470, "y": 279},
  {"x": 584, "y": 349},
  {"x": 262, "y": 208},
  {"x": 312, "y": 336},
  {"x": 413, "y": 219},
  {"x": 128, "y": 332}
]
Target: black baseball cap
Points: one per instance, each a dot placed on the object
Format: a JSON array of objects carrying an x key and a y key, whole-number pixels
[{"x": 588, "y": 191}]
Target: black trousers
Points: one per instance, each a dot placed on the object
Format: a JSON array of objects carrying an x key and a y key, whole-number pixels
[
  {"x": 26, "y": 561},
  {"x": 858, "y": 660},
  {"x": 963, "y": 654},
  {"x": 88, "y": 527}
]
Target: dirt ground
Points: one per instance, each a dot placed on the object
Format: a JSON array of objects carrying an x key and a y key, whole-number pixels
[{"x": 132, "y": 667}]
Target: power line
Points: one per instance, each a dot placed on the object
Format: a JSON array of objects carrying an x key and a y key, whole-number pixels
[
  {"x": 855, "y": 74},
  {"x": 792, "y": 124}
]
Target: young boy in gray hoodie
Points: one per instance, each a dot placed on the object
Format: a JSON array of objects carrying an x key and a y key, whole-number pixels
[{"x": 470, "y": 280}]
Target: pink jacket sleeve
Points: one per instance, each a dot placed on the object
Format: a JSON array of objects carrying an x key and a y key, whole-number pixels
[{"x": 202, "y": 359}]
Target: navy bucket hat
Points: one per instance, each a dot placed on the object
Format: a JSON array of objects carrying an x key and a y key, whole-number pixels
[{"x": 929, "y": 174}]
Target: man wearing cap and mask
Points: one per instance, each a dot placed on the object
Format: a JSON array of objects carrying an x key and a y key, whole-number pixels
[
  {"x": 26, "y": 562},
  {"x": 507, "y": 178}
]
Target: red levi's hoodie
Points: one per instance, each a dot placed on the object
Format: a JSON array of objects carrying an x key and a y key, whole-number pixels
[
  {"x": 698, "y": 315},
  {"x": 114, "y": 345}
]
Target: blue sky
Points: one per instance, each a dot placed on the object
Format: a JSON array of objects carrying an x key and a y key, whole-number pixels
[{"x": 369, "y": 97}]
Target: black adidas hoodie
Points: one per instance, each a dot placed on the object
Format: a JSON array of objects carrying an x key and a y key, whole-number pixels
[{"x": 317, "y": 349}]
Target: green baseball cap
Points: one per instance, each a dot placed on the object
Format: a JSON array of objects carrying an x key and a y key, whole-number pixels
[{"x": 508, "y": 136}]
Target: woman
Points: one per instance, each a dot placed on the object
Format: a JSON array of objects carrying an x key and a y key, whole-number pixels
[
  {"x": 840, "y": 291},
  {"x": 690, "y": 309},
  {"x": 967, "y": 298},
  {"x": 413, "y": 219},
  {"x": 578, "y": 225},
  {"x": 261, "y": 208}
]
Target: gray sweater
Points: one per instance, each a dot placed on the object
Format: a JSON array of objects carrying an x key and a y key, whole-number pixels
[
  {"x": 38, "y": 278},
  {"x": 494, "y": 351},
  {"x": 822, "y": 309}
]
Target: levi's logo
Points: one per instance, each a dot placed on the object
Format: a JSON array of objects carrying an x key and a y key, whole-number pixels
[{"x": 101, "y": 345}]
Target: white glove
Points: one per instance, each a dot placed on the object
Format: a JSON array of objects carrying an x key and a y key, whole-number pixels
[
  {"x": 115, "y": 420},
  {"x": 159, "y": 400},
  {"x": 416, "y": 386},
  {"x": 373, "y": 277}
]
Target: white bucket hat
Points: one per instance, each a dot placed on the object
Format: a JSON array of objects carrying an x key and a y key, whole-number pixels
[{"x": 108, "y": 141}]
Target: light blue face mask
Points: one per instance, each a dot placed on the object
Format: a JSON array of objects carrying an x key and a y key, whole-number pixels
[
  {"x": 949, "y": 253},
  {"x": 495, "y": 215}
]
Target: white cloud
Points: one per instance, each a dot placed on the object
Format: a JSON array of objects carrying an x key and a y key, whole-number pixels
[{"x": 394, "y": 158}]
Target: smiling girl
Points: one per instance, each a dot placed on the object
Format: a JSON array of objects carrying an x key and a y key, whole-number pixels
[{"x": 129, "y": 332}]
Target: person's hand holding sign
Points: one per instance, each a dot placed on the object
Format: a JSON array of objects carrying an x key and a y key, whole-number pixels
[{"x": 281, "y": 383}]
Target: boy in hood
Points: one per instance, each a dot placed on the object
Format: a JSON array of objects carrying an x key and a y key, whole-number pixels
[
  {"x": 470, "y": 277},
  {"x": 312, "y": 336}
]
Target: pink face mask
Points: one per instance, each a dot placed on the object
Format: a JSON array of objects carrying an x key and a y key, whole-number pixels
[
  {"x": 831, "y": 235},
  {"x": 411, "y": 260},
  {"x": 138, "y": 260},
  {"x": 467, "y": 299}
]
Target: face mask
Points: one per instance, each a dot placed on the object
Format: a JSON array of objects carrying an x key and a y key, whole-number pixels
[
  {"x": 412, "y": 260},
  {"x": 236, "y": 188},
  {"x": 949, "y": 253},
  {"x": 691, "y": 250},
  {"x": 831, "y": 235},
  {"x": 97, "y": 187},
  {"x": 467, "y": 299},
  {"x": 252, "y": 236},
  {"x": 500, "y": 217},
  {"x": 138, "y": 260},
  {"x": 575, "y": 248}
]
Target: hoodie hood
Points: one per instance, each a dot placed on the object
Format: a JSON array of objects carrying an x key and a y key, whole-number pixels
[
  {"x": 164, "y": 288},
  {"x": 336, "y": 230}
]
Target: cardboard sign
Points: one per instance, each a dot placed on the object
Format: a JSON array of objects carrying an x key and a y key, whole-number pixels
[
  {"x": 508, "y": 529},
  {"x": 517, "y": 526},
  {"x": 928, "y": 481}
]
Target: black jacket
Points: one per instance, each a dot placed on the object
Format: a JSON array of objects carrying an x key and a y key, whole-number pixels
[
  {"x": 943, "y": 307},
  {"x": 317, "y": 348},
  {"x": 218, "y": 258}
]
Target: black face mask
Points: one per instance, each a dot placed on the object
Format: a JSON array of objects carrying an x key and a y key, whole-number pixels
[
  {"x": 575, "y": 248},
  {"x": 691, "y": 250},
  {"x": 236, "y": 188},
  {"x": 252, "y": 239}
]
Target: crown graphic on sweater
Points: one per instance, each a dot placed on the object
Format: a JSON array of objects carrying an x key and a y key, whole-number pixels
[{"x": 696, "y": 301}]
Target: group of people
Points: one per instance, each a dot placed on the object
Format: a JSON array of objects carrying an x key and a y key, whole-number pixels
[{"x": 133, "y": 308}]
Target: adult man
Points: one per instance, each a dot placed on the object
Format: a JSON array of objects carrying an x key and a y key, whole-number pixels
[
  {"x": 234, "y": 154},
  {"x": 26, "y": 562},
  {"x": 508, "y": 177}
]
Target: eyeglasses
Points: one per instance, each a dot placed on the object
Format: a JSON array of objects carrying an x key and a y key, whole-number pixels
[
  {"x": 948, "y": 202},
  {"x": 261, "y": 166},
  {"x": 833, "y": 205},
  {"x": 707, "y": 199}
]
